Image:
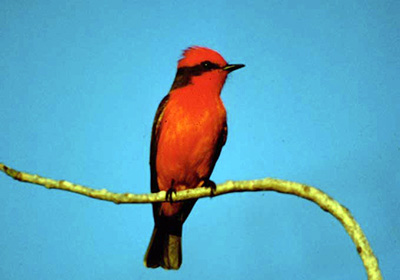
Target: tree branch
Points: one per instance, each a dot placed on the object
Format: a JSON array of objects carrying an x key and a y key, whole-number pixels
[{"x": 315, "y": 195}]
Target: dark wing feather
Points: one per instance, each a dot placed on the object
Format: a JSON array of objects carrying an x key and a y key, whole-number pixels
[
  {"x": 155, "y": 135},
  {"x": 220, "y": 143}
]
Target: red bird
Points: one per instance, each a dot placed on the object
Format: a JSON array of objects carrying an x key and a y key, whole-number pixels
[{"x": 189, "y": 130}]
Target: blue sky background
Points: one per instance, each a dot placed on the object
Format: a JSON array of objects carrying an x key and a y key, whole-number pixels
[{"x": 317, "y": 103}]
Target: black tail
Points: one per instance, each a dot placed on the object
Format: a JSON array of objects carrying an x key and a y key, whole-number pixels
[{"x": 164, "y": 250}]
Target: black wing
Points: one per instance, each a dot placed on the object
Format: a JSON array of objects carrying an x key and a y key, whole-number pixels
[
  {"x": 155, "y": 135},
  {"x": 220, "y": 143}
]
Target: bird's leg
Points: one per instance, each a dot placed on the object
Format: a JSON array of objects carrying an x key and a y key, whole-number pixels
[
  {"x": 207, "y": 183},
  {"x": 168, "y": 196}
]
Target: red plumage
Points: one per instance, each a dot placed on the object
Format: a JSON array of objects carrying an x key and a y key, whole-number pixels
[{"x": 189, "y": 131}]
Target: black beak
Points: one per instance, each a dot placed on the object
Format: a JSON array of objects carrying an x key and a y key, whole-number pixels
[{"x": 232, "y": 67}]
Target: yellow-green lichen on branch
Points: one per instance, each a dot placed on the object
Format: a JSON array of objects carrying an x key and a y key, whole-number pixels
[{"x": 315, "y": 195}]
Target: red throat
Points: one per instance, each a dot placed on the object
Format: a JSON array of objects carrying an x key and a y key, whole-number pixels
[{"x": 210, "y": 84}]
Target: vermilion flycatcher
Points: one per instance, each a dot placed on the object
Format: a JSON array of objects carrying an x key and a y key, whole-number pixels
[{"x": 189, "y": 130}]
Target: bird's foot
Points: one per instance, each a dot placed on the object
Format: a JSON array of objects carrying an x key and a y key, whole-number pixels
[
  {"x": 168, "y": 195},
  {"x": 207, "y": 183}
]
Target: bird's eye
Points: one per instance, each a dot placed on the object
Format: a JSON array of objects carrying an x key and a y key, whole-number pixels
[{"x": 208, "y": 65}]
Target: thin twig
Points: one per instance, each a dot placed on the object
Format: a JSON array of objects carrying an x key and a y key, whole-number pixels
[{"x": 313, "y": 194}]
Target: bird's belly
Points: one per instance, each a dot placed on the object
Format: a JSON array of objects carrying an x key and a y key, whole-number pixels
[{"x": 186, "y": 149}]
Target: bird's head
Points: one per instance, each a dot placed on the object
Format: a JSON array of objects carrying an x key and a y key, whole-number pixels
[{"x": 200, "y": 66}]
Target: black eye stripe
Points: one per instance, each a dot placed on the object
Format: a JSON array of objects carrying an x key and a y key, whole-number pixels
[
  {"x": 184, "y": 74},
  {"x": 209, "y": 65},
  {"x": 197, "y": 70}
]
